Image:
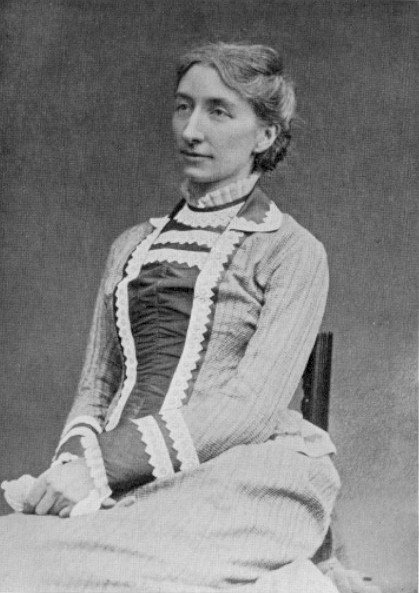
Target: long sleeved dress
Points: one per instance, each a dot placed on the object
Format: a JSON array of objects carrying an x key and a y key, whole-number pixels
[{"x": 203, "y": 325}]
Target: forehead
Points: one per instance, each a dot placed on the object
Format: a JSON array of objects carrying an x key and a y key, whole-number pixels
[{"x": 203, "y": 83}]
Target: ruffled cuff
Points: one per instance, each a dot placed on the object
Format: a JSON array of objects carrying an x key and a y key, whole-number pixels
[
  {"x": 79, "y": 440},
  {"x": 94, "y": 461},
  {"x": 69, "y": 447},
  {"x": 140, "y": 450}
]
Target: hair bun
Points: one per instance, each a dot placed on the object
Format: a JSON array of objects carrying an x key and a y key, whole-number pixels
[{"x": 277, "y": 66}]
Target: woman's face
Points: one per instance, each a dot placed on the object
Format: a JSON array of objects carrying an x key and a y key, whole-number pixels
[{"x": 217, "y": 132}]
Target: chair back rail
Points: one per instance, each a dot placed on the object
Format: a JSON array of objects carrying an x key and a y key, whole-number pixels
[
  {"x": 315, "y": 406},
  {"x": 316, "y": 382}
]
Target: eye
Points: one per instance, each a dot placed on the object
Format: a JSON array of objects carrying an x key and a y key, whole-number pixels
[
  {"x": 220, "y": 113},
  {"x": 182, "y": 107}
]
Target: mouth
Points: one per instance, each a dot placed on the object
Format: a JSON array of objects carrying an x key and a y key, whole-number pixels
[{"x": 194, "y": 155}]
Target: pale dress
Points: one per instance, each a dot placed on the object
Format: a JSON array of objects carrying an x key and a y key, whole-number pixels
[{"x": 238, "y": 518}]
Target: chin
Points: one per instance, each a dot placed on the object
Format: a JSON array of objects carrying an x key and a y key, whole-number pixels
[{"x": 198, "y": 176}]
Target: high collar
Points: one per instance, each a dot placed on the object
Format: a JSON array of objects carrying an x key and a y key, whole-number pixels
[
  {"x": 258, "y": 214},
  {"x": 222, "y": 196}
]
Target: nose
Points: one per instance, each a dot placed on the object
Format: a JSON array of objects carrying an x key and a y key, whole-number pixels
[{"x": 192, "y": 131}]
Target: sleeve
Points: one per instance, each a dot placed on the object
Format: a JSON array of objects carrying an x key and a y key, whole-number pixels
[
  {"x": 246, "y": 410},
  {"x": 101, "y": 373}
]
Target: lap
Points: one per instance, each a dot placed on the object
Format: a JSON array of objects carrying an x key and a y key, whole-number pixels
[{"x": 233, "y": 519}]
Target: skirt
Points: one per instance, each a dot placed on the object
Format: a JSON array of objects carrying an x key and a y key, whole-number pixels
[{"x": 232, "y": 524}]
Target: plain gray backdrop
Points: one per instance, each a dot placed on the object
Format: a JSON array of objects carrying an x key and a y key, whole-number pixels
[{"x": 87, "y": 152}]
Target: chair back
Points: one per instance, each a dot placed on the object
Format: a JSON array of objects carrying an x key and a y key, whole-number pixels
[
  {"x": 316, "y": 382},
  {"x": 315, "y": 406}
]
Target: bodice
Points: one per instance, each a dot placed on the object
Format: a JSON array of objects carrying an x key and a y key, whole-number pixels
[{"x": 160, "y": 302}]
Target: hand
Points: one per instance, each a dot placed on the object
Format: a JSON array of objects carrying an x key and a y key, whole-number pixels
[{"x": 57, "y": 490}]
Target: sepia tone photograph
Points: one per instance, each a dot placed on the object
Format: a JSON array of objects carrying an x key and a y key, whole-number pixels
[{"x": 208, "y": 296}]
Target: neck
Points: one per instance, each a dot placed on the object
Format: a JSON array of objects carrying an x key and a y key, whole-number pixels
[
  {"x": 198, "y": 190},
  {"x": 217, "y": 194}
]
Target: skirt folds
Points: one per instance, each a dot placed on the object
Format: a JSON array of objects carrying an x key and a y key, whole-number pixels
[{"x": 229, "y": 524}]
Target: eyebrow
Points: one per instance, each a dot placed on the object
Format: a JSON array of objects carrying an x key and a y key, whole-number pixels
[{"x": 210, "y": 100}]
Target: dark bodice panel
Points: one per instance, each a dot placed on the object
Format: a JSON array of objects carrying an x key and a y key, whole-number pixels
[{"x": 160, "y": 303}]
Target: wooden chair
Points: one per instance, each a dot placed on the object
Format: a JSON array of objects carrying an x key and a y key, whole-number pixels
[{"x": 315, "y": 405}]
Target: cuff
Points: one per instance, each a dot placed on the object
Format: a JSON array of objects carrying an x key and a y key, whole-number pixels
[
  {"x": 79, "y": 439},
  {"x": 168, "y": 443},
  {"x": 94, "y": 462},
  {"x": 140, "y": 450},
  {"x": 70, "y": 447}
]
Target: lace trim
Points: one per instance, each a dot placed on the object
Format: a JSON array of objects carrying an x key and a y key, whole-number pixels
[
  {"x": 76, "y": 431},
  {"x": 93, "y": 422},
  {"x": 94, "y": 461},
  {"x": 200, "y": 237},
  {"x": 65, "y": 457},
  {"x": 272, "y": 221},
  {"x": 123, "y": 324},
  {"x": 182, "y": 440},
  {"x": 200, "y": 316},
  {"x": 191, "y": 258},
  {"x": 218, "y": 218},
  {"x": 223, "y": 195},
  {"x": 156, "y": 447}
]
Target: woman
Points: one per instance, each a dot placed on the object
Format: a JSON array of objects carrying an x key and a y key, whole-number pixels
[{"x": 203, "y": 325}]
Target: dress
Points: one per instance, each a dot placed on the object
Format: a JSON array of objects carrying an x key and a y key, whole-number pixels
[{"x": 203, "y": 325}]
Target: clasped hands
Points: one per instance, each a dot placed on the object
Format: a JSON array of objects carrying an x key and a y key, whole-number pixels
[{"x": 60, "y": 488}]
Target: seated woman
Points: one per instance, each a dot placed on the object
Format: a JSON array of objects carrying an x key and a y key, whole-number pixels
[{"x": 203, "y": 325}]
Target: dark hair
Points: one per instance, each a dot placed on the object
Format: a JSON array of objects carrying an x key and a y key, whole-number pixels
[{"x": 256, "y": 73}]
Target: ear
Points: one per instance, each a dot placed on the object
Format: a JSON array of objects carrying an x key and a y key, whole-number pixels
[{"x": 265, "y": 138}]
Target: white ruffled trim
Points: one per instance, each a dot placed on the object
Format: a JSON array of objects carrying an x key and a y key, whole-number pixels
[
  {"x": 229, "y": 193},
  {"x": 217, "y": 218},
  {"x": 94, "y": 461},
  {"x": 93, "y": 422},
  {"x": 65, "y": 457},
  {"x": 272, "y": 221},
  {"x": 200, "y": 314},
  {"x": 191, "y": 258},
  {"x": 156, "y": 447},
  {"x": 123, "y": 323},
  {"x": 200, "y": 237},
  {"x": 182, "y": 440},
  {"x": 76, "y": 431}
]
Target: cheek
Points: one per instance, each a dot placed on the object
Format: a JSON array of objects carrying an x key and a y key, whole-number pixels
[
  {"x": 176, "y": 128},
  {"x": 239, "y": 144}
]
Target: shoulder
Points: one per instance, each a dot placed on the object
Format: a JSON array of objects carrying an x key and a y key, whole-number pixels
[
  {"x": 295, "y": 258},
  {"x": 120, "y": 251},
  {"x": 288, "y": 253},
  {"x": 291, "y": 241},
  {"x": 275, "y": 231},
  {"x": 297, "y": 236},
  {"x": 129, "y": 238}
]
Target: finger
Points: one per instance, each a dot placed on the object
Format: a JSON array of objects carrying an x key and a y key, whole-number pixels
[
  {"x": 46, "y": 502},
  {"x": 37, "y": 491},
  {"x": 126, "y": 502},
  {"x": 108, "y": 503},
  {"x": 65, "y": 512},
  {"x": 59, "y": 504}
]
